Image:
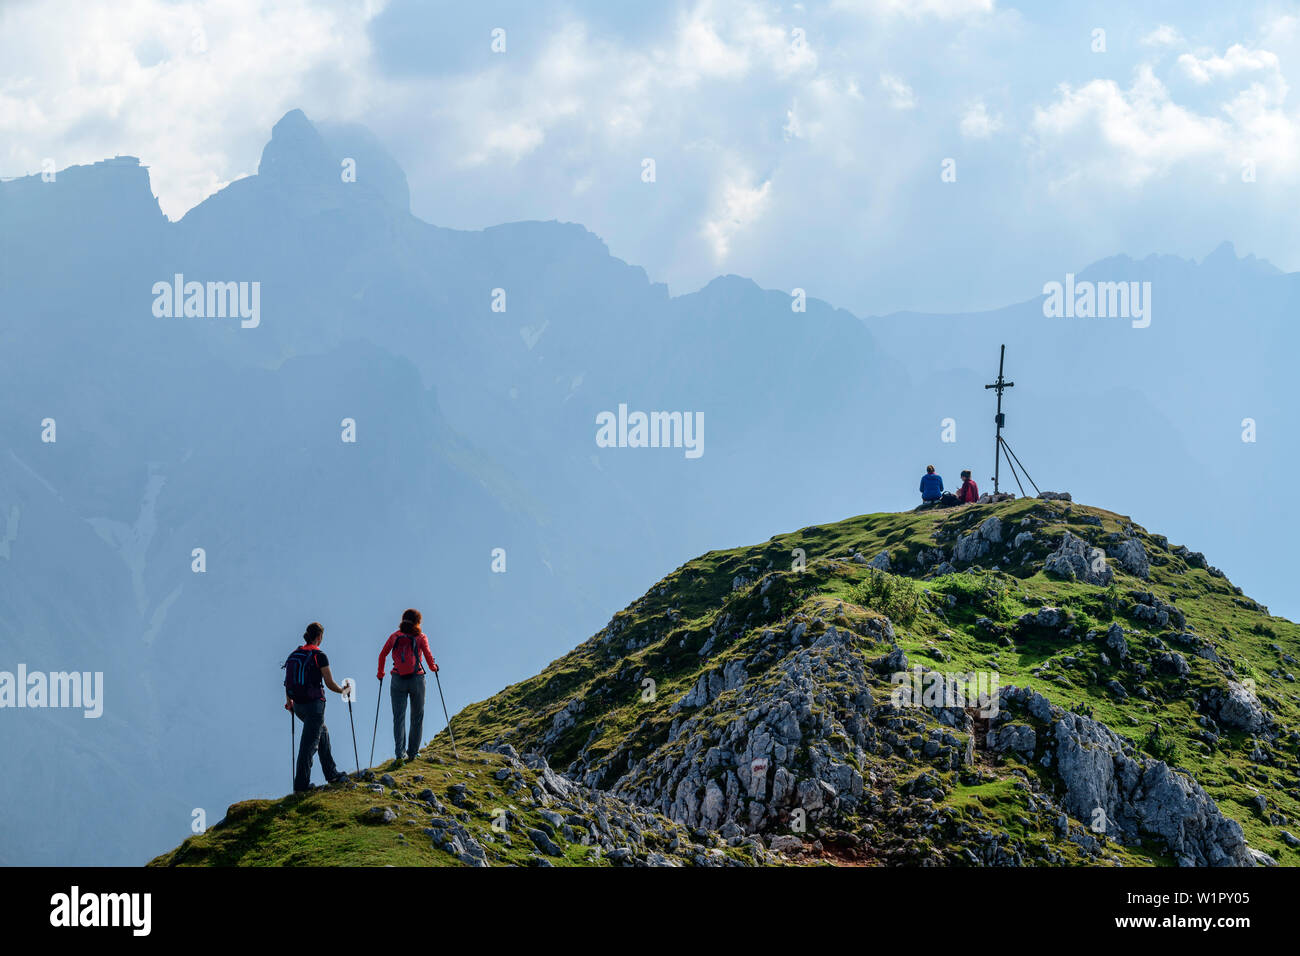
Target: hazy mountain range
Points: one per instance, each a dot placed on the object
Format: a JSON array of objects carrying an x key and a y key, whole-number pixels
[{"x": 476, "y": 430}]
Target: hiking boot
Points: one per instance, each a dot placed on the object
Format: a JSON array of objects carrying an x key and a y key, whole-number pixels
[
  {"x": 397, "y": 762},
  {"x": 341, "y": 777}
]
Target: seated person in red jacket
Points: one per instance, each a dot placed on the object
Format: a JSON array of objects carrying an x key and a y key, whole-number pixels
[{"x": 969, "y": 493}]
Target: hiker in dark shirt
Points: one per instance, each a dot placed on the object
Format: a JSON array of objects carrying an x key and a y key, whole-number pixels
[{"x": 306, "y": 674}]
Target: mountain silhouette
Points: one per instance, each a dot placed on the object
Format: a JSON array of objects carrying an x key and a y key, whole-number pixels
[{"x": 477, "y": 431}]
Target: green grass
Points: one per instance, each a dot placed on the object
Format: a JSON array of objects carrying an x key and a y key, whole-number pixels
[
  {"x": 897, "y": 597},
  {"x": 327, "y": 828},
  {"x": 674, "y": 618},
  {"x": 740, "y": 604}
]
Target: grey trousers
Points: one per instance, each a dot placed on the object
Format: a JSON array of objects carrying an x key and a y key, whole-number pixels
[{"x": 403, "y": 689}]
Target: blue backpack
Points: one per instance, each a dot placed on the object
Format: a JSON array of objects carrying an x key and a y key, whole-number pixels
[{"x": 302, "y": 676}]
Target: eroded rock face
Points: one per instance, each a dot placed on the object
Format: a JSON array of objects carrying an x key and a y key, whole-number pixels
[
  {"x": 1132, "y": 557},
  {"x": 1237, "y": 706},
  {"x": 793, "y": 715},
  {"x": 563, "y": 721},
  {"x": 1115, "y": 641},
  {"x": 1150, "y": 609},
  {"x": 1052, "y": 618},
  {"x": 1080, "y": 561},
  {"x": 975, "y": 544},
  {"x": 750, "y": 743},
  {"x": 627, "y": 834},
  {"x": 1106, "y": 783},
  {"x": 1173, "y": 664},
  {"x": 880, "y": 562},
  {"x": 1142, "y": 796},
  {"x": 711, "y": 685},
  {"x": 1018, "y": 738},
  {"x": 741, "y": 759}
]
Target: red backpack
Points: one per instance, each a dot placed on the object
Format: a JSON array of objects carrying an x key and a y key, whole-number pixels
[{"x": 406, "y": 654}]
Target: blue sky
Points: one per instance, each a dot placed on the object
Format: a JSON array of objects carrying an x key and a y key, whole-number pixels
[{"x": 798, "y": 144}]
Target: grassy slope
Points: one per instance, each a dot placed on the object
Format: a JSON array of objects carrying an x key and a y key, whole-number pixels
[
  {"x": 672, "y": 621},
  {"x": 659, "y": 637},
  {"x": 327, "y": 827}
]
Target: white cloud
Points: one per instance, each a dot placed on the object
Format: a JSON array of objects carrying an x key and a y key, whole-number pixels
[
  {"x": 1236, "y": 60},
  {"x": 1103, "y": 132},
  {"x": 738, "y": 204},
  {"x": 727, "y": 39},
  {"x": 1163, "y": 35},
  {"x": 759, "y": 131},
  {"x": 940, "y": 9},
  {"x": 603, "y": 93},
  {"x": 191, "y": 88},
  {"x": 1100, "y": 123},
  {"x": 512, "y": 141},
  {"x": 899, "y": 94},
  {"x": 702, "y": 53},
  {"x": 977, "y": 123},
  {"x": 1281, "y": 31},
  {"x": 793, "y": 129}
]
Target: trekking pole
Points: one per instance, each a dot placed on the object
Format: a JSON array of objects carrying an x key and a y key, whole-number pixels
[
  {"x": 293, "y": 771},
  {"x": 444, "y": 714},
  {"x": 354, "y": 732},
  {"x": 378, "y": 697}
]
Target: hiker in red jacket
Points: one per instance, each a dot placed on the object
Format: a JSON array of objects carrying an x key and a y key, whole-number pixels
[
  {"x": 969, "y": 492},
  {"x": 407, "y": 644}
]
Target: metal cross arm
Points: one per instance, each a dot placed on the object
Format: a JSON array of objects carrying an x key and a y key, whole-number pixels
[{"x": 999, "y": 443}]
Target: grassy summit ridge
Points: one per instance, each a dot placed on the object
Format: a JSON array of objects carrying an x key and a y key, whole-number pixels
[{"x": 785, "y": 651}]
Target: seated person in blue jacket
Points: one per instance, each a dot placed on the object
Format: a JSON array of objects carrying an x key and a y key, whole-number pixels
[{"x": 931, "y": 486}]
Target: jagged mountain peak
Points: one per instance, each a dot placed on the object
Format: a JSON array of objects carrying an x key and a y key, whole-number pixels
[
  {"x": 343, "y": 155},
  {"x": 1222, "y": 262},
  {"x": 295, "y": 153},
  {"x": 1224, "y": 257},
  {"x": 310, "y": 168}
]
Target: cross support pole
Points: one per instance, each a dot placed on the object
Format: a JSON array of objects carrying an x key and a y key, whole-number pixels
[{"x": 1001, "y": 385}]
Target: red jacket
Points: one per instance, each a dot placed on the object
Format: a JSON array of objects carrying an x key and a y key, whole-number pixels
[
  {"x": 969, "y": 492},
  {"x": 400, "y": 655}
]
